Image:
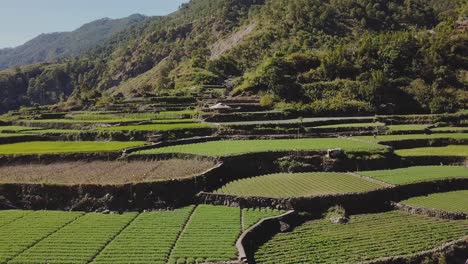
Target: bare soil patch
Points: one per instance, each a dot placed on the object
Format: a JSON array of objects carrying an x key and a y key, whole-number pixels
[{"x": 103, "y": 172}]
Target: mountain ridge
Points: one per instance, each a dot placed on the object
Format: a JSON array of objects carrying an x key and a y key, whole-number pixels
[{"x": 58, "y": 45}]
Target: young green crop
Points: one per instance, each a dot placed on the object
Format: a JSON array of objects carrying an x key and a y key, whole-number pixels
[
  {"x": 16, "y": 129},
  {"x": 148, "y": 239},
  {"x": 209, "y": 236},
  {"x": 298, "y": 185},
  {"x": 78, "y": 242},
  {"x": 417, "y": 174},
  {"x": 364, "y": 238},
  {"x": 19, "y": 235},
  {"x": 353, "y": 125},
  {"x": 251, "y": 216},
  {"x": 225, "y": 148},
  {"x": 157, "y": 127},
  {"x": 456, "y": 201},
  {"x": 9, "y": 216},
  {"x": 408, "y": 127},
  {"x": 455, "y": 150},
  {"x": 386, "y": 138},
  {"x": 55, "y": 147}
]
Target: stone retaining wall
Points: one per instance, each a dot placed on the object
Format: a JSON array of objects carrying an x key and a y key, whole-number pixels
[
  {"x": 430, "y": 212},
  {"x": 51, "y": 158},
  {"x": 261, "y": 232},
  {"x": 135, "y": 197}
]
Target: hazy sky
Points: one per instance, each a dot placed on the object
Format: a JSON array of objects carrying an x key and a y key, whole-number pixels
[{"x": 22, "y": 20}]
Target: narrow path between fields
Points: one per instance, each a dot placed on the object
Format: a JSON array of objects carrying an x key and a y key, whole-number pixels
[
  {"x": 113, "y": 238},
  {"x": 45, "y": 237},
  {"x": 386, "y": 184},
  {"x": 182, "y": 231},
  {"x": 242, "y": 220}
]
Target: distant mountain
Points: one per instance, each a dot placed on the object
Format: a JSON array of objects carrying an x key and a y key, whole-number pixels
[{"x": 52, "y": 46}]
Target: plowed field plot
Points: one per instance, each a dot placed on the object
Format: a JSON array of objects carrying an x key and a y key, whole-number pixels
[
  {"x": 365, "y": 237},
  {"x": 103, "y": 172},
  {"x": 298, "y": 185},
  {"x": 417, "y": 174},
  {"x": 57, "y": 147},
  {"x": 456, "y": 201},
  {"x": 453, "y": 150},
  {"x": 233, "y": 147}
]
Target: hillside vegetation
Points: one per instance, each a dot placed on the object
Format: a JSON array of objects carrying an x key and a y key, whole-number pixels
[{"x": 315, "y": 57}]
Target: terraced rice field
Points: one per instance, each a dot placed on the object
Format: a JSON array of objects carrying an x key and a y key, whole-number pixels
[
  {"x": 365, "y": 237},
  {"x": 22, "y": 233},
  {"x": 386, "y": 138},
  {"x": 16, "y": 129},
  {"x": 363, "y": 125},
  {"x": 233, "y": 147},
  {"x": 157, "y": 127},
  {"x": 57, "y": 147},
  {"x": 417, "y": 174},
  {"x": 148, "y": 239},
  {"x": 452, "y": 150},
  {"x": 103, "y": 172},
  {"x": 78, "y": 242},
  {"x": 450, "y": 129},
  {"x": 298, "y": 185},
  {"x": 408, "y": 127},
  {"x": 185, "y": 235},
  {"x": 456, "y": 201}
]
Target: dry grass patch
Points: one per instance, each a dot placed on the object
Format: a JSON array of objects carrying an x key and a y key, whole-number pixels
[{"x": 103, "y": 172}]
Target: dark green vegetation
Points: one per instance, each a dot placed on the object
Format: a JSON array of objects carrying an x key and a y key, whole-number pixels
[
  {"x": 316, "y": 57},
  {"x": 365, "y": 237},
  {"x": 450, "y": 201},
  {"x": 298, "y": 185},
  {"x": 417, "y": 174},
  {"x": 50, "y": 47}
]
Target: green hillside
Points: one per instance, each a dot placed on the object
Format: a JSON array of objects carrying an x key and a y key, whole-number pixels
[{"x": 315, "y": 57}]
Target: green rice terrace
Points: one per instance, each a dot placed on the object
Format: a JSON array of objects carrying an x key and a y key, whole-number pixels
[
  {"x": 170, "y": 185},
  {"x": 297, "y": 185},
  {"x": 148, "y": 237},
  {"x": 456, "y": 201}
]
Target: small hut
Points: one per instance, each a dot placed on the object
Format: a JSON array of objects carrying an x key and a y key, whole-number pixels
[{"x": 220, "y": 107}]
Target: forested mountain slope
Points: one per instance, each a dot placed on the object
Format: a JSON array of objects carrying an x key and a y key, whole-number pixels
[
  {"x": 48, "y": 47},
  {"x": 314, "y": 56}
]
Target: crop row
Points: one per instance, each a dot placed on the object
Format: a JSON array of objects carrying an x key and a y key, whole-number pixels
[
  {"x": 456, "y": 201},
  {"x": 148, "y": 239},
  {"x": 365, "y": 237},
  {"x": 155, "y": 237},
  {"x": 298, "y": 185},
  {"x": 77, "y": 242},
  {"x": 19, "y": 235}
]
